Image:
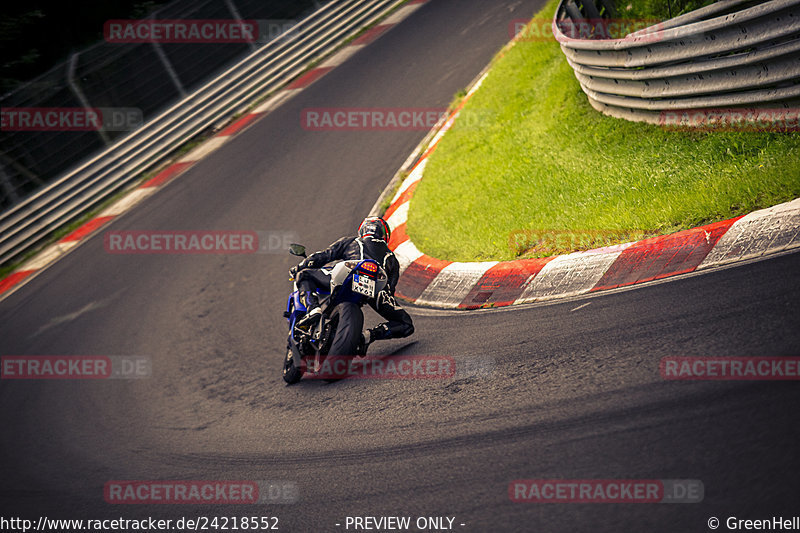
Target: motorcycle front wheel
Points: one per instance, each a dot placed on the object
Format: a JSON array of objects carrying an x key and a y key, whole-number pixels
[{"x": 292, "y": 372}]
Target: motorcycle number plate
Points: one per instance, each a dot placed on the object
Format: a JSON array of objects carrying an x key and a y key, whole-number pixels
[{"x": 364, "y": 285}]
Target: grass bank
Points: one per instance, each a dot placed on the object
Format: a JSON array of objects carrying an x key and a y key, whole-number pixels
[{"x": 533, "y": 158}]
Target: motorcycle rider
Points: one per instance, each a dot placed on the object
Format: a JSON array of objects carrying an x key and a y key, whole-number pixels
[{"x": 370, "y": 243}]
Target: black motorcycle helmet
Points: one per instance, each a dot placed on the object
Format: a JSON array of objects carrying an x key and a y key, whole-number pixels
[{"x": 375, "y": 227}]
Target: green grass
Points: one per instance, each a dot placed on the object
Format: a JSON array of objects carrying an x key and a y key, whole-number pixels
[
  {"x": 660, "y": 9},
  {"x": 532, "y": 154}
]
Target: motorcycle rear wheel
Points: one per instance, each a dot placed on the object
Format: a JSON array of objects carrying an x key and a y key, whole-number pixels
[{"x": 349, "y": 322}]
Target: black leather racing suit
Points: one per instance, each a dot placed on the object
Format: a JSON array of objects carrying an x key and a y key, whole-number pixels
[{"x": 311, "y": 276}]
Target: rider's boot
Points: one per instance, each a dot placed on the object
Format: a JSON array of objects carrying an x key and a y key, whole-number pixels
[
  {"x": 378, "y": 333},
  {"x": 371, "y": 335}
]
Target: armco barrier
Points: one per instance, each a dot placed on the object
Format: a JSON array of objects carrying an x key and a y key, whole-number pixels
[
  {"x": 731, "y": 54},
  {"x": 127, "y": 82},
  {"x": 264, "y": 70}
]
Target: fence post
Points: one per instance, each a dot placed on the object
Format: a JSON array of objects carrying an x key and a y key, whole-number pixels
[
  {"x": 238, "y": 17},
  {"x": 5, "y": 185},
  {"x": 176, "y": 81},
  {"x": 76, "y": 90}
]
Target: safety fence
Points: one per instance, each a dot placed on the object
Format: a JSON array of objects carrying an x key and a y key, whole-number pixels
[
  {"x": 49, "y": 178},
  {"x": 733, "y": 57}
]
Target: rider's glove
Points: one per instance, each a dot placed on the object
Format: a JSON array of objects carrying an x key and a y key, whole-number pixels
[{"x": 305, "y": 263}]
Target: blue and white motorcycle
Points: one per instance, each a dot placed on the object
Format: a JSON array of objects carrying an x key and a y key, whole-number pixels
[{"x": 337, "y": 329}]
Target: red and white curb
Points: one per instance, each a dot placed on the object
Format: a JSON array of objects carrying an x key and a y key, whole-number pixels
[
  {"x": 57, "y": 250},
  {"x": 433, "y": 282}
]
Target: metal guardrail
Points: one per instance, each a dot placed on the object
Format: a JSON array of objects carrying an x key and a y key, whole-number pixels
[
  {"x": 125, "y": 84},
  {"x": 726, "y": 55},
  {"x": 109, "y": 171}
]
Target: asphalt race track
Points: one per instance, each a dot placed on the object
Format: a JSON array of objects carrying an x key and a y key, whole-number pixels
[{"x": 569, "y": 390}]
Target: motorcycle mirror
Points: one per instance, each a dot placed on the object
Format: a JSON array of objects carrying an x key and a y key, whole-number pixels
[{"x": 297, "y": 249}]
